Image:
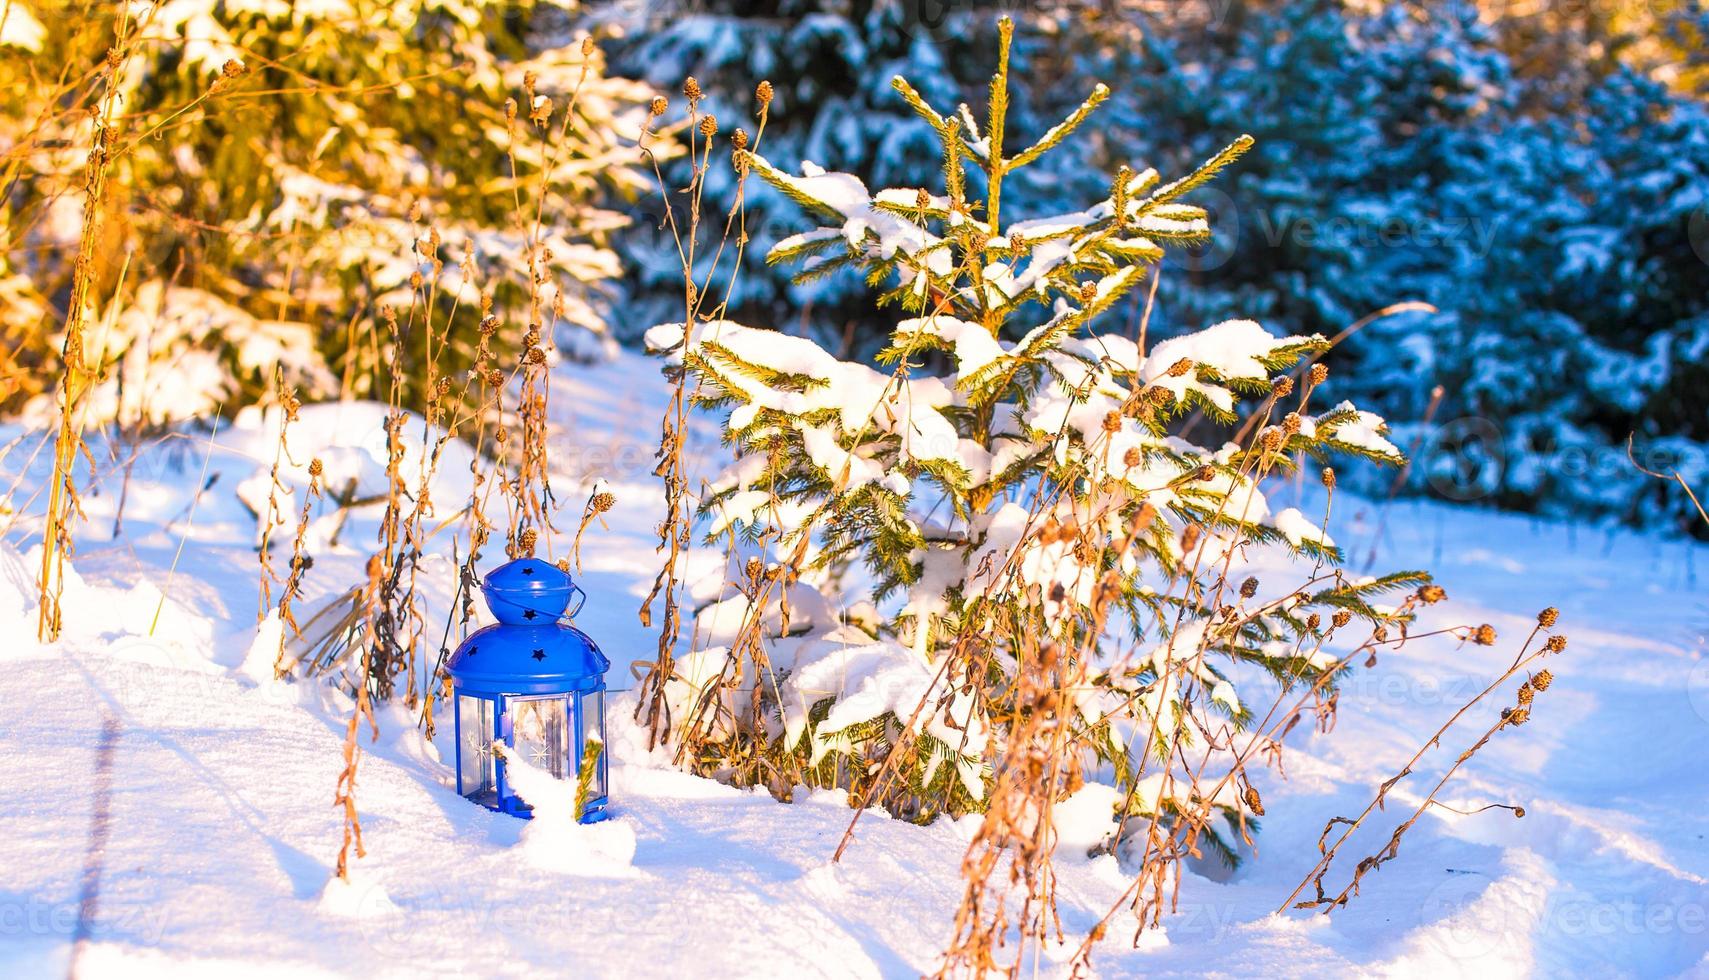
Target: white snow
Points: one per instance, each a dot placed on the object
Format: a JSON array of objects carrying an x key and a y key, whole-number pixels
[
  {"x": 1298, "y": 528},
  {"x": 1232, "y": 349},
  {"x": 216, "y": 796},
  {"x": 553, "y": 840},
  {"x": 19, "y": 28}
]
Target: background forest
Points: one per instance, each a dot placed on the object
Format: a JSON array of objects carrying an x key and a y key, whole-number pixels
[{"x": 1528, "y": 179}]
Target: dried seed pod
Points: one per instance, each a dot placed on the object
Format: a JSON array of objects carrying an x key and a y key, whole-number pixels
[
  {"x": 1542, "y": 680},
  {"x": 1431, "y": 594},
  {"x": 1313, "y": 621},
  {"x": 1328, "y": 478},
  {"x": 708, "y": 125},
  {"x": 1132, "y": 457},
  {"x": 1204, "y": 473},
  {"x": 762, "y": 95},
  {"x": 1318, "y": 373},
  {"x": 1341, "y": 618},
  {"x": 1484, "y": 636},
  {"x": 316, "y": 468},
  {"x": 602, "y": 502},
  {"x": 587, "y": 45},
  {"x": 1555, "y": 644},
  {"x": 1180, "y": 368},
  {"x": 526, "y": 540},
  {"x": 1249, "y": 588},
  {"x": 540, "y": 110},
  {"x": 1088, "y": 292},
  {"x": 740, "y": 139},
  {"x": 1284, "y": 387},
  {"x": 1547, "y": 617},
  {"x": 691, "y": 89},
  {"x": 1518, "y": 716},
  {"x": 233, "y": 68},
  {"x": 1273, "y": 439},
  {"x": 1291, "y": 423},
  {"x": 658, "y": 105},
  {"x": 1112, "y": 422},
  {"x": 1254, "y": 802},
  {"x": 1525, "y": 693}
]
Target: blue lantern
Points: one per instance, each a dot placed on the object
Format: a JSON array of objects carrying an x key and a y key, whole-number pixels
[{"x": 531, "y": 681}]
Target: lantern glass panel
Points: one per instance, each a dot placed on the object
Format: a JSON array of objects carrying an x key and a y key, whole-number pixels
[
  {"x": 475, "y": 725},
  {"x": 541, "y": 730},
  {"x": 590, "y": 723}
]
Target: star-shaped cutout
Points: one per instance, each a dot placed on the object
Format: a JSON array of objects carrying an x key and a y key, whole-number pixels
[
  {"x": 539, "y": 655},
  {"x": 528, "y": 614},
  {"x": 528, "y": 571},
  {"x": 474, "y": 650}
]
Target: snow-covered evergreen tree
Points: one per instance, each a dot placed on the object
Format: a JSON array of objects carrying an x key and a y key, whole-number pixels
[
  {"x": 1007, "y": 489},
  {"x": 1544, "y": 207},
  {"x": 830, "y": 64},
  {"x": 279, "y": 164}
]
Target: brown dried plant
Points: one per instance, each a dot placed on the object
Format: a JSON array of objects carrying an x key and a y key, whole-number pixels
[
  {"x": 344, "y": 796},
  {"x": 675, "y": 530},
  {"x": 273, "y": 515},
  {"x": 300, "y": 562},
  {"x": 1511, "y": 717},
  {"x": 77, "y": 374}
]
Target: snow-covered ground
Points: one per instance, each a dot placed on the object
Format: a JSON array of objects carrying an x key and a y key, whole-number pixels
[{"x": 163, "y": 812}]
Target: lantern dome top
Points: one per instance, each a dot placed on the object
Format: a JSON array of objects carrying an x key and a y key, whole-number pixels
[
  {"x": 528, "y": 592},
  {"x": 528, "y": 651}
]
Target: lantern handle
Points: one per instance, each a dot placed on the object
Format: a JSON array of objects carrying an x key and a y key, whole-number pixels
[{"x": 579, "y": 600}]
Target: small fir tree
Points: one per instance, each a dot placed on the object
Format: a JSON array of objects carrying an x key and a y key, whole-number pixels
[{"x": 1009, "y": 493}]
